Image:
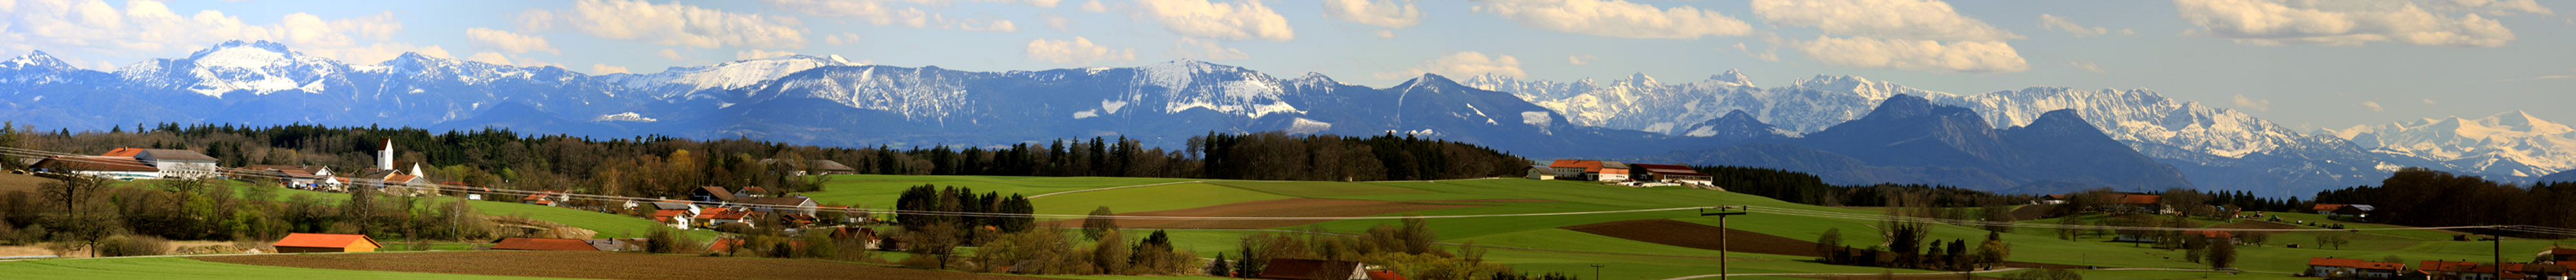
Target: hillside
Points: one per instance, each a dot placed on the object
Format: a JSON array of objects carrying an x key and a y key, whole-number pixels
[
  {"x": 1542, "y": 243},
  {"x": 1910, "y": 140}
]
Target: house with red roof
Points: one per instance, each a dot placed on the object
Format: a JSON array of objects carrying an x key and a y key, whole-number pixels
[
  {"x": 325, "y": 243},
  {"x": 2339, "y": 267},
  {"x": 2476, "y": 270},
  {"x": 677, "y": 218},
  {"x": 547, "y": 198},
  {"x": 544, "y": 244},
  {"x": 1590, "y": 170},
  {"x": 719, "y": 216}
]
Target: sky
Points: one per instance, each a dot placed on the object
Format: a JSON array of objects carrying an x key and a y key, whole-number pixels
[{"x": 2302, "y": 64}]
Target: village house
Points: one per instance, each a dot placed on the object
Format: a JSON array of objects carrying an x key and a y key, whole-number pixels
[
  {"x": 867, "y": 237},
  {"x": 2343, "y": 210},
  {"x": 750, "y": 192},
  {"x": 2054, "y": 199},
  {"x": 2338, "y": 267},
  {"x": 817, "y": 167},
  {"x": 1671, "y": 174},
  {"x": 325, "y": 243},
  {"x": 713, "y": 217},
  {"x": 783, "y": 205},
  {"x": 2560, "y": 256},
  {"x": 710, "y": 195},
  {"x": 547, "y": 198},
  {"x": 309, "y": 177}
]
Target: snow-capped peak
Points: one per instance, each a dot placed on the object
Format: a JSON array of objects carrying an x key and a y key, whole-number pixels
[
  {"x": 676, "y": 82},
  {"x": 35, "y": 59},
  {"x": 1731, "y": 76},
  {"x": 2513, "y": 141}
]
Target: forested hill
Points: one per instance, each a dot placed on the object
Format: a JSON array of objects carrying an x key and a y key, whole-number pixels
[{"x": 649, "y": 166}]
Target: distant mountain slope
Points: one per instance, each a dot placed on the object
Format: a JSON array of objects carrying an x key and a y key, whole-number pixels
[
  {"x": 1908, "y": 139},
  {"x": 2561, "y": 176},
  {"x": 2512, "y": 143}
]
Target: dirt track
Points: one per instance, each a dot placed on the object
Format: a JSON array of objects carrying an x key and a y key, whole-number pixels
[
  {"x": 1694, "y": 235},
  {"x": 1294, "y": 207},
  {"x": 597, "y": 265}
]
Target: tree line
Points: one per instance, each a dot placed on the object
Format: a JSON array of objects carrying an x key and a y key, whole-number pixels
[
  {"x": 664, "y": 166},
  {"x": 75, "y": 212},
  {"x": 2429, "y": 198}
]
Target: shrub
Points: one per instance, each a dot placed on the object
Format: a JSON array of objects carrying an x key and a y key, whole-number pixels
[{"x": 120, "y": 246}]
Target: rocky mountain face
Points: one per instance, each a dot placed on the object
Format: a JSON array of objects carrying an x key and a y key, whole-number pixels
[
  {"x": 1908, "y": 139},
  {"x": 831, "y": 101}
]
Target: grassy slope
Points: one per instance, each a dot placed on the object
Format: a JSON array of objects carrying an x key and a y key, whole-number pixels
[
  {"x": 2033, "y": 245},
  {"x": 184, "y": 268}
]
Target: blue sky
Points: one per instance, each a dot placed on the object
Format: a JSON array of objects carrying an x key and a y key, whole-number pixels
[{"x": 2304, "y": 64}]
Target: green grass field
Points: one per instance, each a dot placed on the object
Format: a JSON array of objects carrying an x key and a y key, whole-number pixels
[
  {"x": 184, "y": 268},
  {"x": 608, "y": 225},
  {"x": 1543, "y": 247}
]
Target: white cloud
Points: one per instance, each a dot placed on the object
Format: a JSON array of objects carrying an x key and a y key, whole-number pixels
[
  {"x": 1246, "y": 20},
  {"x": 1059, "y": 23},
  {"x": 1580, "y": 59},
  {"x": 2429, "y": 101},
  {"x": 2058, "y": 23},
  {"x": 1384, "y": 13},
  {"x": 374, "y": 53},
  {"x": 1386, "y": 33},
  {"x": 2373, "y": 106},
  {"x": 1903, "y": 19},
  {"x": 1861, "y": 52},
  {"x": 1094, "y": 6},
  {"x": 674, "y": 55},
  {"x": 1463, "y": 64},
  {"x": 604, "y": 69},
  {"x": 147, "y": 27},
  {"x": 2127, "y": 32},
  {"x": 841, "y": 39},
  {"x": 1771, "y": 54},
  {"x": 489, "y": 57},
  {"x": 534, "y": 20},
  {"x": 683, "y": 25},
  {"x": 2254, "y": 104},
  {"x": 986, "y": 25},
  {"x": 1617, "y": 18},
  {"x": 2088, "y": 66},
  {"x": 759, "y": 54},
  {"x": 1205, "y": 50},
  {"x": 1080, "y": 51},
  {"x": 2338, "y": 23},
  {"x": 509, "y": 42},
  {"x": 2496, "y": 7}
]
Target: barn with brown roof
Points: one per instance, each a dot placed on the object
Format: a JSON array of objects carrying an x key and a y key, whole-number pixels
[{"x": 325, "y": 243}]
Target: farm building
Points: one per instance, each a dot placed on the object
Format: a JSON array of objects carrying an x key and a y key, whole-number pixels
[
  {"x": 325, "y": 243},
  {"x": 310, "y": 177},
  {"x": 543, "y": 244},
  {"x": 1671, "y": 174},
  {"x": 2335, "y": 267},
  {"x": 120, "y": 168},
  {"x": 2344, "y": 210},
  {"x": 1540, "y": 172},
  {"x": 1284, "y": 268},
  {"x": 783, "y": 205},
  {"x": 1590, "y": 170},
  {"x": 173, "y": 163}
]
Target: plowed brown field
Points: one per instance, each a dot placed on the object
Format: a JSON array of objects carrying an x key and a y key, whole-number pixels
[
  {"x": 596, "y": 265},
  {"x": 1695, "y": 235},
  {"x": 1294, "y": 207}
]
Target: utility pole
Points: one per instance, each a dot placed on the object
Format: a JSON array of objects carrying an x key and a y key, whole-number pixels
[
  {"x": 1721, "y": 233},
  {"x": 2499, "y": 252},
  {"x": 1596, "y": 271}
]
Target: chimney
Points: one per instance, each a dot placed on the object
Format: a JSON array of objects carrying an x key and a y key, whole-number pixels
[{"x": 385, "y": 155}]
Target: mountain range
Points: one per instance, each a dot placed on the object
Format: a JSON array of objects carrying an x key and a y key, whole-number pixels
[{"x": 2028, "y": 139}]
